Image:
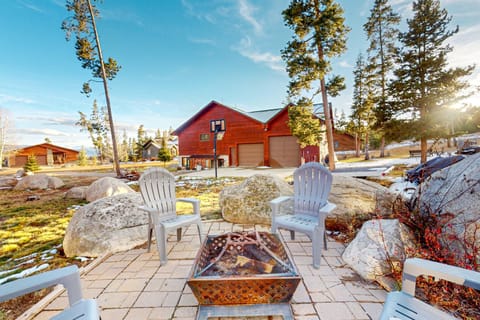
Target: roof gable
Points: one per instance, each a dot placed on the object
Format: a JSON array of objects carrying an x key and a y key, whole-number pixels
[
  {"x": 262, "y": 116},
  {"x": 49, "y": 146}
]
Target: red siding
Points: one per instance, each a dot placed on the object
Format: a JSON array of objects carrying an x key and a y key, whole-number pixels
[{"x": 240, "y": 129}]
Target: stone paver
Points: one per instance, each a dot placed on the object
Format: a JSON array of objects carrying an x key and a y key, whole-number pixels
[{"x": 133, "y": 285}]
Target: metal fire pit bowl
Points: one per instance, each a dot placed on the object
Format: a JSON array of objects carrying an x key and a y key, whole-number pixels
[{"x": 224, "y": 288}]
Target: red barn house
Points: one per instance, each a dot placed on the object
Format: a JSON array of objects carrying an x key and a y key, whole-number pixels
[{"x": 251, "y": 139}]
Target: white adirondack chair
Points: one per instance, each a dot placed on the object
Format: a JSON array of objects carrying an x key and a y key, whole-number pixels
[
  {"x": 157, "y": 187},
  {"x": 402, "y": 305},
  {"x": 69, "y": 277},
  {"x": 312, "y": 183}
]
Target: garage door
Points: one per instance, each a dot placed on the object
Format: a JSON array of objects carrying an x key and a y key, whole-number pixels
[
  {"x": 284, "y": 152},
  {"x": 250, "y": 155}
]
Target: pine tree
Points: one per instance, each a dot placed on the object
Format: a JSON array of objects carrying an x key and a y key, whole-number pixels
[
  {"x": 164, "y": 153},
  {"x": 382, "y": 32},
  {"x": 424, "y": 83},
  {"x": 89, "y": 52},
  {"x": 32, "y": 164},
  {"x": 320, "y": 34},
  {"x": 82, "y": 157},
  {"x": 362, "y": 109},
  {"x": 97, "y": 128},
  {"x": 141, "y": 139}
]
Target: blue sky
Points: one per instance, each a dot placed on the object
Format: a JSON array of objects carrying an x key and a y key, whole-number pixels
[{"x": 176, "y": 57}]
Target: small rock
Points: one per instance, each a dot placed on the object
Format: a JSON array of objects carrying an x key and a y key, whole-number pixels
[{"x": 33, "y": 197}]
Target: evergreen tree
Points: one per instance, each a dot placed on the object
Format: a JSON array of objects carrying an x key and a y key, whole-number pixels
[
  {"x": 124, "y": 147},
  {"x": 82, "y": 157},
  {"x": 320, "y": 34},
  {"x": 89, "y": 52},
  {"x": 32, "y": 164},
  {"x": 164, "y": 153},
  {"x": 141, "y": 139},
  {"x": 362, "y": 109},
  {"x": 382, "y": 33},
  {"x": 424, "y": 83},
  {"x": 97, "y": 129}
]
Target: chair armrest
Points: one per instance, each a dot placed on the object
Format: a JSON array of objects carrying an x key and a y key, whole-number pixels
[
  {"x": 69, "y": 277},
  {"x": 147, "y": 209},
  {"x": 275, "y": 203},
  {"x": 415, "y": 267},
  {"x": 195, "y": 203},
  {"x": 328, "y": 208}
]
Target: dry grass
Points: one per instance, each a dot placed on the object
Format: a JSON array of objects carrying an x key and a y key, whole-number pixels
[{"x": 30, "y": 227}]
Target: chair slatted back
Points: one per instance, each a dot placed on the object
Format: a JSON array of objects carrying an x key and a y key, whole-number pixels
[
  {"x": 157, "y": 187},
  {"x": 312, "y": 184}
]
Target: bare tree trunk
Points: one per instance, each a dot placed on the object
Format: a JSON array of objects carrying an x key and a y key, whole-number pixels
[
  {"x": 357, "y": 145},
  {"x": 367, "y": 146},
  {"x": 326, "y": 108},
  {"x": 382, "y": 147},
  {"x": 107, "y": 96},
  {"x": 329, "y": 126}
]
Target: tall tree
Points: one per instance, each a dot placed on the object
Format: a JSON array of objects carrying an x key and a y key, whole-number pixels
[
  {"x": 164, "y": 153},
  {"x": 424, "y": 82},
  {"x": 4, "y": 127},
  {"x": 97, "y": 129},
  {"x": 362, "y": 108},
  {"x": 124, "y": 147},
  {"x": 89, "y": 52},
  {"x": 320, "y": 35},
  {"x": 382, "y": 32},
  {"x": 82, "y": 157},
  {"x": 141, "y": 139}
]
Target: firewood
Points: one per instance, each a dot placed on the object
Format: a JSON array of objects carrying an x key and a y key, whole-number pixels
[{"x": 245, "y": 262}]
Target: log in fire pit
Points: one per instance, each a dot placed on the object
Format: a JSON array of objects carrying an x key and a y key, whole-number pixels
[{"x": 243, "y": 273}]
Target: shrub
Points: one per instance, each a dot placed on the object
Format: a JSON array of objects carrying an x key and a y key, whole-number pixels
[{"x": 32, "y": 164}]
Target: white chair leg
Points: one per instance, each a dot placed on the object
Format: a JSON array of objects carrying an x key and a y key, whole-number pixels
[
  {"x": 274, "y": 227},
  {"x": 316, "y": 248},
  {"x": 149, "y": 237},
  {"x": 161, "y": 236},
  {"x": 325, "y": 244}
]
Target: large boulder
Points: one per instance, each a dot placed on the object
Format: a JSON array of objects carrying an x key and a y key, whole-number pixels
[
  {"x": 379, "y": 245},
  {"x": 106, "y": 187},
  {"x": 39, "y": 181},
  {"x": 249, "y": 201},
  {"x": 453, "y": 196},
  {"x": 358, "y": 199},
  {"x": 107, "y": 225},
  {"x": 7, "y": 182},
  {"x": 77, "y": 193}
]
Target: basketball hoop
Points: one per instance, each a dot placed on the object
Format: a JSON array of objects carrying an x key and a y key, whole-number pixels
[{"x": 220, "y": 135}]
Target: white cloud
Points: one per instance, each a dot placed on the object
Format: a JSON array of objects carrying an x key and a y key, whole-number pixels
[
  {"x": 345, "y": 64},
  {"x": 43, "y": 131},
  {"x": 246, "y": 49},
  {"x": 50, "y": 119},
  {"x": 30, "y": 6},
  {"x": 4, "y": 98},
  {"x": 246, "y": 12}
]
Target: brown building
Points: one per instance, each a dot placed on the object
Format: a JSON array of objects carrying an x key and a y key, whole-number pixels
[
  {"x": 250, "y": 139},
  {"x": 47, "y": 155}
]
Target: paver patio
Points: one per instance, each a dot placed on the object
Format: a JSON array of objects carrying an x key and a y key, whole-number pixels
[{"x": 132, "y": 285}]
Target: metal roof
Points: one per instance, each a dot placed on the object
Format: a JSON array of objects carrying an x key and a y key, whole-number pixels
[{"x": 260, "y": 115}]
